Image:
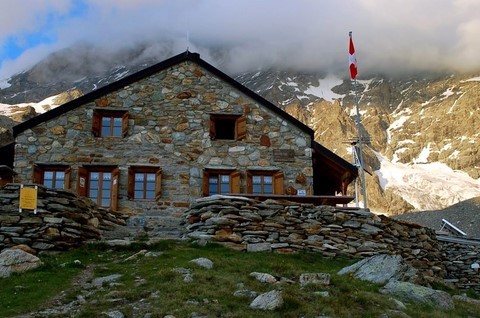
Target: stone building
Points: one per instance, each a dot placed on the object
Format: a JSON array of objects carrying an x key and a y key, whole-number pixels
[{"x": 176, "y": 131}]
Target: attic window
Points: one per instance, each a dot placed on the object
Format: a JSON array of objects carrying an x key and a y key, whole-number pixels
[
  {"x": 110, "y": 123},
  {"x": 227, "y": 127}
]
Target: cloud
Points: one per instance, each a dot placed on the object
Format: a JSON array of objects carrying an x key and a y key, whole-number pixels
[{"x": 392, "y": 37}]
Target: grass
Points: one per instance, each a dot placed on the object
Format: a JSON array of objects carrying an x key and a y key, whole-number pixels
[{"x": 150, "y": 285}]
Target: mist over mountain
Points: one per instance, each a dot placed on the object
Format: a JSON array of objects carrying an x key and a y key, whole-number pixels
[{"x": 421, "y": 129}]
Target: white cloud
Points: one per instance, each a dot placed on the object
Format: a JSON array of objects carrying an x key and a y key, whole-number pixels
[{"x": 392, "y": 36}]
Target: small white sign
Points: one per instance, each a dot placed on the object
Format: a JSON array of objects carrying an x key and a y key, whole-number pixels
[{"x": 301, "y": 192}]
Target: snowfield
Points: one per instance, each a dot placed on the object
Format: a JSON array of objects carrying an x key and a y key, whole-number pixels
[{"x": 439, "y": 185}]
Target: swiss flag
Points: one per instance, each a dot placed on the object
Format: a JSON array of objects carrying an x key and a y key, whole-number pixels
[{"x": 352, "y": 60}]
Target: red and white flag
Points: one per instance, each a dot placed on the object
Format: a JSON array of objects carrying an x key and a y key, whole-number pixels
[{"x": 352, "y": 60}]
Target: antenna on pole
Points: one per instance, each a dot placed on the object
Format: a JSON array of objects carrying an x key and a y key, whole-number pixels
[
  {"x": 353, "y": 61},
  {"x": 188, "y": 39}
]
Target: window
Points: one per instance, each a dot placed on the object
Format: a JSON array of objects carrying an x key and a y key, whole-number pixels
[
  {"x": 99, "y": 184},
  {"x": 228, "y": 127},
  {"x": 52, "y": 176},
  {"x": 110, "y": 123},
  {"x": 220, "y": 182},
  {"x": 265, "y": 182},
  {"x": 144, "y": 183}
]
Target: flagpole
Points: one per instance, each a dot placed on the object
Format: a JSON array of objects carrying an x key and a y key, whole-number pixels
[{"x": 360, "y": 143}]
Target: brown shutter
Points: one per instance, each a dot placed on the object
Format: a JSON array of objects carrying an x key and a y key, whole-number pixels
[
  {"x": 158, "y": 184},
  {"x": 205, "y": 187},
  {"x": 241, "y": 128},
  {"x": 114, "y": 198},
  {"x": 96, "y": 123},
  {"x": 235, "y": 182},
  {"x": 82, "y": 181},
  {"x": 213, "y": 131},
  {"x": 124, "y": 124},
  {"x": 68, "y": 172},
  {"x": 278, "y": 183},
  {"x": 249, "y": 182},
  {"x": 37, "y": 176},
  {"x": 131, "y": 183}
]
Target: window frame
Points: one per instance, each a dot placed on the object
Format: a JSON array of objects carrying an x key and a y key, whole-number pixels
[
  {"x": 38, "y": 175},
  {"x": 132, "y": 170},
  {"x": 99, "y": 114},
  {"x": 83, "y": 185},
  {"x": 234, "y": 181},
  {"x": 277, "y": 181},
  {"x": 239, "y": 128}
]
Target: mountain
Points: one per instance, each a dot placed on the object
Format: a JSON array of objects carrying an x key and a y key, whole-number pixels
[{"x": 420, "y": 133}]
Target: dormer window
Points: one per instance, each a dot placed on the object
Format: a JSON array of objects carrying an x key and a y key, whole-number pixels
[
  {"x": 110, "y": 123},
  {"x": 227, "y": 127}
]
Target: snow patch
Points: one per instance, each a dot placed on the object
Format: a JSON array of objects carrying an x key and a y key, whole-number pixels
[
  {"x": 5, "y": 83},
  {"x": 324, "y": 89},
  {"x": 40, "y": 107},
  {"x": 473, "y": 79}
]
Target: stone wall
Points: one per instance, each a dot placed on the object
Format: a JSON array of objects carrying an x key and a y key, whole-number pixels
[
  {"x": 63, "y": 220},
  {"x": 168, "y": 127},
  {"x": 462, "y": 262},
  {"x": 287, "y": 227}
]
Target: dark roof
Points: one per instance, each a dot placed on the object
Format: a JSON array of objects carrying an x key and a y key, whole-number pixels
[
  {"x": 182, "y": 57},
  {"x": 337, "y": 160},
  {"x": 6, "y": 171},
  {"x": 7, "y": 152}
]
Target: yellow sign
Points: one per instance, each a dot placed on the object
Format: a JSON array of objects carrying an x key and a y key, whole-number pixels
[{"x": 28, "y": 198}]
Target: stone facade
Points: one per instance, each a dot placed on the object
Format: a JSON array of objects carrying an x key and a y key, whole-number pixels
[{"x": 168, "y": 127}]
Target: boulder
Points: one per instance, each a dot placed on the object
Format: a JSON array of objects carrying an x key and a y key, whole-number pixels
[
  {"x": 322, "y": 279},
  {"x": 203, "y": 262},
  {"x": 17, "y": 261},
  {"x": 379, "y": 269},
  {"x": 264, "y": 277},
  {"x": 268, "y": 301},
  {"x": 409, "y": 292}
]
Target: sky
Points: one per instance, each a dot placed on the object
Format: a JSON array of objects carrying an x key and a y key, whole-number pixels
[{"x": 390, "y": 36}]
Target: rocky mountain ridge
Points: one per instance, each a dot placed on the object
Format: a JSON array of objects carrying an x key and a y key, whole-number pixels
[{"x": 415, "y": 122}]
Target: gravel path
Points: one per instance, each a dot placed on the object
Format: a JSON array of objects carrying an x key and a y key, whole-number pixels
[{"x": 464, "y": 215}]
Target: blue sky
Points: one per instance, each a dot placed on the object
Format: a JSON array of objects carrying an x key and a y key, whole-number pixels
[{"x": 389, "y": 35}]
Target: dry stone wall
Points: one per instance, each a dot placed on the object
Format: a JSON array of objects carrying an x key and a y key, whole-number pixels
[
  {"x": 288, "y": 227},
  {"x": 63, "y": 220}
]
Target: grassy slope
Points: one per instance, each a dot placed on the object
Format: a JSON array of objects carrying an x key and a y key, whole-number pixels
[{"x": 149, "y": 285}]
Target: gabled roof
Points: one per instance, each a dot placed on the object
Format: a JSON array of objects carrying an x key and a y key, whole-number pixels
[{"x": 182, "y": 57}]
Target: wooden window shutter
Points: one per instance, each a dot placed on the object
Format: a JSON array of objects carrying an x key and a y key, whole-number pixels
[
  {"x": 235, "y": 182},
  {"x": 37, "y": 176},
  {"x": 96, "y": 123},
  {"x": 249, "y": 182},
  {"x": 82, "y": 181},
  {"x": 213, "y": 131},
  {"x": 114, "y": 204},
  {"x": 131, "y": 183},
  {"x": 68, "y": 173},
  {"x": 241, "y": 128},
  {"x": 205, "y": 185},
  {"x": 158, "y": 184},
  {"x": 278, "y": 183},
  {"x": 124, "y": 124}
]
